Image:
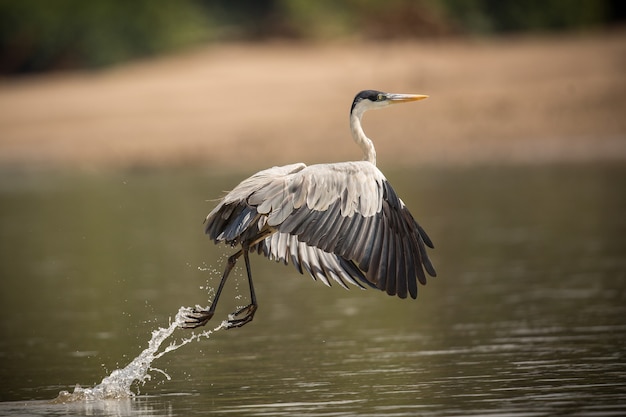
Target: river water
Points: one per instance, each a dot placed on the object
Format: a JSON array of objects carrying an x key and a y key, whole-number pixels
[{"x": 526, "y": 318}]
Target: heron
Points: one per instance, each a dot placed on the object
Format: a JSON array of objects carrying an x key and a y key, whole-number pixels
[{"x": 340, "y": 222}]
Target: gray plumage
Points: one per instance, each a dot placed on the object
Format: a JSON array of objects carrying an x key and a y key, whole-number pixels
[{"x": 340, "y": 222}]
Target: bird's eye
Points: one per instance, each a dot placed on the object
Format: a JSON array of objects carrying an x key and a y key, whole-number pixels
[{"x": 380, "y": 97}]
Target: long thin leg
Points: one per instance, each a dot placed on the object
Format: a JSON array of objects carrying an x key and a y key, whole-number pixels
[
  {"x": 247, "y": 312},
  {"x": 199, "y": 318}
]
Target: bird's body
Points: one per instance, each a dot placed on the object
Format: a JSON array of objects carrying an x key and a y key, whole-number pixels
[{"x": 340, "y": 222}]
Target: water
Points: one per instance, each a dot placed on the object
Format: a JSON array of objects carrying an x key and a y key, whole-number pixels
[
  {"x": 526, "y": 318},
  {"x": 118, "y": 385}
]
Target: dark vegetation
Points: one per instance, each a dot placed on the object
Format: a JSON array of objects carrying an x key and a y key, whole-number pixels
[{"x": 40, "y": 36}]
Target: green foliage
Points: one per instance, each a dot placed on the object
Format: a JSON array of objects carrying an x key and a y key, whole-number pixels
[
  {"x": 487, "y": 16},
  {"x": 37, "y": 35},
  {"x": 409, "y": 18}
]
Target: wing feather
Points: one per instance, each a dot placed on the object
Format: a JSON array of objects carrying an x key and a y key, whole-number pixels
[
  {"x": 295, "y": 223},
  {"x": 349, "y": 230},
  {"x": 391, "y": 266},
  {"x": 409, "y": 263},
  {"x": 400, "y": 259},
  {"x": 338, "y": 222},
  {"x": 322, "y": 229},
  {"x": 369, "y": 245},
  {"x": 281, "y": 247},
  {"x": 379, "y": 272}
]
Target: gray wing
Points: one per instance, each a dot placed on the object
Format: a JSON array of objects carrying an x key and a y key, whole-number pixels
[
  {"x": 346, "y": 218},
  {"x": 282, "y": 247},
  {"x": 234, "y": 220}
]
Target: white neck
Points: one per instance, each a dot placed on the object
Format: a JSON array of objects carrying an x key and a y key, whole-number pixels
[{"x": 369, "y": 153}]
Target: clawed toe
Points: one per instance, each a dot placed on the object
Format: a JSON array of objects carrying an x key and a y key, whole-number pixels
[
  {"x": 242, "y": 316},
  {"x": 197, "y": 318}
]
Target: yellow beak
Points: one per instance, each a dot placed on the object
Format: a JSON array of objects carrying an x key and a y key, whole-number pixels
[{"x": 404, "y": 98}]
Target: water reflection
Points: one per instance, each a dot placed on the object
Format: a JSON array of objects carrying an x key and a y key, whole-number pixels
[{"x": 525, "y": 318}]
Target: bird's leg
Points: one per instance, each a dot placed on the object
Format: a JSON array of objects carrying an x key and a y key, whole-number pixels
[
  {"x": 199, "y": 317},
  {"x": 245, "y": 314}
]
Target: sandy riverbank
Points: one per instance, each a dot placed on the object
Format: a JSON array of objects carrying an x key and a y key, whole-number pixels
[{"x": 517, "y": 100}]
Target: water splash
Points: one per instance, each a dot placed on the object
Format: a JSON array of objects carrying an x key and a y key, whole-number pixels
[{"x": 118, "y": 384}]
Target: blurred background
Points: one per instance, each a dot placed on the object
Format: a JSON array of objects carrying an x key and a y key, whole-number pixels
[
  {"x": 69, "y": 34},
  {"x": 121, "y": 121},
  {"x": 144, "y": 83}
]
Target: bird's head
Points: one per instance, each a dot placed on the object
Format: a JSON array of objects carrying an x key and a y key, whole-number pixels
[{"x": 372, "y": 99}]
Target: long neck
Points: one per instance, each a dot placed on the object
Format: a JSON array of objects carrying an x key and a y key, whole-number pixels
[{"x": 369, "y": 153}]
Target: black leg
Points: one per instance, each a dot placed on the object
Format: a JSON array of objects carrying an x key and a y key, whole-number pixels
[
  {"x": 240, "y": 317},
  {"x": 199, "y": 318},
  {"x": 246, "y": 314}
]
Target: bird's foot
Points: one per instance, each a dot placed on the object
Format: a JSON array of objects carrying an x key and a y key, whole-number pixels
[
  {"x": 241, "y": 317},
  {"x": 196, "y": 318}
]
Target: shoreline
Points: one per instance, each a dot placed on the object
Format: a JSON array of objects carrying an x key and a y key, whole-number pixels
[{"x": 233, "y": 106}]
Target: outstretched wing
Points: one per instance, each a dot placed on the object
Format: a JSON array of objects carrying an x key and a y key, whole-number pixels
[
  {"x": 344, "y": 214},
  {"x": 282, "y": 247}
]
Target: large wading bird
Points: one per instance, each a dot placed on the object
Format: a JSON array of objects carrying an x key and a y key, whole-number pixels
[{"x": 341, "y": 222}]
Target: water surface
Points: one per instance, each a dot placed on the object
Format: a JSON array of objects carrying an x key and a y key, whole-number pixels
[{"x": 526, "y": 317}]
